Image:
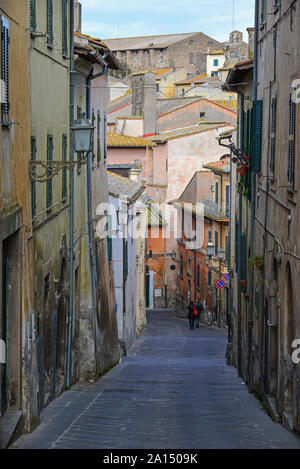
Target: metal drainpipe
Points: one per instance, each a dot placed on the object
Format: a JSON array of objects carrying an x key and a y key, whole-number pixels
[
  {"x": 253, "y": 190},
  {"x": 71, "y": 227}
]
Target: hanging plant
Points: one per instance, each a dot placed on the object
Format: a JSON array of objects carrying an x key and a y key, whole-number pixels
[{"x": 258, "y": 261}]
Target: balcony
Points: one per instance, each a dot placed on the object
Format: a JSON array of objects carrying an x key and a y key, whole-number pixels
[{"x": 216, "y": 211}]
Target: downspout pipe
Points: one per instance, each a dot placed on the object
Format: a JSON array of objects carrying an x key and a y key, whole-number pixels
[{"x": 71, "y": 227}]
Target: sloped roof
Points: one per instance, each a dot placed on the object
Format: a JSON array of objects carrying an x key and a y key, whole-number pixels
[
  {"x": 146, "y": 42},
  {"x": 118, "y": 140},
  {"x": 167, "y": 105},
  {"x": 194, "y": 129},
  {"x": 119, "y": 185},
  {"x": 222, "y": 166},
  {"x": 92, "y": 49}
]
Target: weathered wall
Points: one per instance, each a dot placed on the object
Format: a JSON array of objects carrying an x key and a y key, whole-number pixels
[{"x": 190, "y": 115}]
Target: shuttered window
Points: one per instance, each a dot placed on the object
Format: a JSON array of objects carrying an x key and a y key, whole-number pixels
[
  {"x": 64, "y": 190},
  {"x": 49, "y": 183},
  {"x": 237, "y": 244},
  {"x": 32, "y": 15},
  {"x": 292, "y": 142},
  {"x": 227, "y": 201},
  {"x": 198, "y": 276},
  {"x": 216, "y": 242},
  {"x": 65, "y": 27},
  {"x": 105, "y": 136},
  {"x": 98, "y": 137},
  {"x": 33, "y": 193},
  {"x": 108, "y": 238},
  {"x": 227, "y": 248},
  {"x": 243, "y": 275},
  {"x": 263, "y": 12},
  {"x": 93, "y": 138},
  {"x": 273, "y": 134},
  {"x": 257, "y": 134},
  {"x": 50, "y": 22},
  {"x": 4, "y": 69},
  {"x": 209, "y": 278},
  {"x": 217, "y": 192}
]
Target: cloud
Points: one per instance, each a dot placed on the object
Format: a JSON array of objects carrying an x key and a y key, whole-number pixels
[{"x": 116, "y": 18}]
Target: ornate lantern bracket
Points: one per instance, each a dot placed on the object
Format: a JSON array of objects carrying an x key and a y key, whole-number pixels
[{"x": 43, "y": 171}]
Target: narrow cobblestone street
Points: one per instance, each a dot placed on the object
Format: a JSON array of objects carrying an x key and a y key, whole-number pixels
[{"x": 173, "y": 390}]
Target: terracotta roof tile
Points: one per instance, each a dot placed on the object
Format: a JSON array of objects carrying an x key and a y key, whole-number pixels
[{"x": 117, "y": 140}]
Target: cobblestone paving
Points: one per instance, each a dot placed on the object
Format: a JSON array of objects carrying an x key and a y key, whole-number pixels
[{"x": 173, "y": 390}]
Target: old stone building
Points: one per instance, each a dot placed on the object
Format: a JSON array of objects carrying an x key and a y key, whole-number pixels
[{"x": 154, "y": 52}]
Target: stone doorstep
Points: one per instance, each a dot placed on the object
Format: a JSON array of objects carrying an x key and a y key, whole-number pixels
[{"x": 10, "y": 422}]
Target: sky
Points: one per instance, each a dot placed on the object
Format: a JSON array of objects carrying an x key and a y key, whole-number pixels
[{"x": 108, "y": 19}]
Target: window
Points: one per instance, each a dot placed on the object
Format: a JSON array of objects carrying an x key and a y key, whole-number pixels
[
  {"x": 273, "y": 134},
  {"x": 209, "y": 278},
  {"x": 181, "y": 266},
  {"x": 32, "y": 15},
  {"x": 189, "y": 266},
  {"x": 216, "y": 242},
  {"x": 202, "y": 115},
  {"x": 109, "y": 239},
  {"x": 217, "y": 193},
  {"x": 263, "y": 12},
  {"x": 227, "y": 248},
  {"x": 64, "y": 170},
  {"x": 227, "y": 207},
  {"x": 191, "y": 58},
  {"x": 98, "y": 137},
  {"x": 4, "y": 69},
  {"x": 257, "y": 137},
  {"x": 93, "y": 135},
  {"x": 65, "y": 27},
  {"x": 216, "y": 62},
  {"x": 192, "y": 41},
  {"x": 209, "y": 235},
  {"x": 198, "y": 276},
  {"x": 232, "y": 53},
  {"x": 33, "y": 194},
  {"x": 50, "y": 22},
  {"x": 182, "y": 91},
  {"x": 49, "y": 183},
  {"x": 292, "y": 142}
]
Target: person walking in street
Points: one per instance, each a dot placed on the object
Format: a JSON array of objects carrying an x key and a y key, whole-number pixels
[
  {"x": 191, "y": 313},
  {"x": 198, "y": 310}
]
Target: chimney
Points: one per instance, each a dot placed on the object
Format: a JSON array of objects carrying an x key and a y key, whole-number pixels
[
  {"x": 136, "y": 171},
  {"x": 144, "y": 99},
  {"x": 77, "y": 17},
  {"x": 251, "y": 42}
]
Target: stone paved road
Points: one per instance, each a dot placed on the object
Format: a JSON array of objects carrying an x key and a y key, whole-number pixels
[{"x": 172, "y": 391}]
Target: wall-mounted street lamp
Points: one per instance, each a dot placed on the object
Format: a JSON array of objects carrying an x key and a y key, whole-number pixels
[
  {"x": 81, "y": 139},
  {"x": 210, "y": 249}
]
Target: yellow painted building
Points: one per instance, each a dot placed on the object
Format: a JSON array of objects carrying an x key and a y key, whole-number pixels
[{"x": 17, "y": 323}]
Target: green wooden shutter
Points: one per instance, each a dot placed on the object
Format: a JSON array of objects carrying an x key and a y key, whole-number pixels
[
  {"x": 64, "y": 189},
  {"x": 209, "y": 278},
  {"x": 98, "y": 137},
  {"x": 109, "y": 239},
  {"x": 227, "y": 201},
  {"x": 32, "y": 15},
  {"x": 217, "y": 192},
  {"x": 292, "y": 138},
  {"x": 216, "y": 242},
  {"x": 50, "y": 22},
  {"x": 49, "y": 183},
  {"x": 93, "y": 138},
  {"x": 257, "y": 134},
  {"x": 237, "y": 245},
  {"x": 198, "y": 276},
  {"x": 4, "y": 69},
  {"x": 65, "y": 27},
  {"x": 243, "y": 271},
  {"x": 33, "y": 193},
  {"x": 105, "y": 137},
  {"x": 273, "y": 134}
]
